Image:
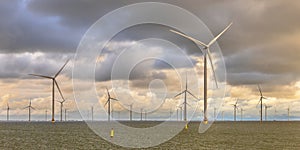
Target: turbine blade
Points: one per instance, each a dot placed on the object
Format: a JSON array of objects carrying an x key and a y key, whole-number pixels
[
  {"x": 42, "y": 76},
  {"x": 59, "y": 90},
  {"x": 32, "y": 108},
  {"x": 189, "y": 104},
  {"x": 25, "y": 107},
  {"x": 106, "y": 102},
  {"x": 218, "y": 36},
  {"x": 114, "y": 99},
  {"x": 190, "y": 38},
  {"x": 193, "y": 95},
  {"x": 107, "y": 92},
  {"x": 212, "y": 67},
  {"x": 259, "y": 90},
  {"x": 61, "y": 69},
  {"x": 258, "y": 102},
  {"x": 236, "y": 101},
  {"x": 179, "y": 93}
]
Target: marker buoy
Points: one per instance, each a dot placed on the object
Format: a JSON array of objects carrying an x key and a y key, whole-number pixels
[{"x": 112, "y": 133}]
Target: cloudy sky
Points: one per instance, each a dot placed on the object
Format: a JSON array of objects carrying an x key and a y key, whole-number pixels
[{"x": 261, "y": 47}]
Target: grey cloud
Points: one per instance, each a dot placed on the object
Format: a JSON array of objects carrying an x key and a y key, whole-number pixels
[{"x": 57, "y": 26}]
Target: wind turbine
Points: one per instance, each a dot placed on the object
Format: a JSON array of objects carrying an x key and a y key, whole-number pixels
[
  {"x": 235, "y": 108},
  {"x": 180, "y": 107},
  {"x": 288, "y": 109},
  {"x": 130, "y": 111},
  {"x": 266, "y": 111},
  {"x": 61, "y": 108},
  {"x": 141, "y": 114},
  {"x": 242, "y": 110},
  {"x": 261, "y": 102},
  {"x": 275, "y": 111},
  {"x": 7, "y": 112},
  {"x": 29, "y": 110},
  {"x": 53, "y": 82},
  {"x": 92, "y": 109},
  {"x": 215, "y": 110},
  {"x": 65, "y": 114},
  {"x": 108, "y": 102},
  {"x": 145, "y": 115},
  {"x": 185, "y": 102},
  {"x": 206, "y": 51},
  {"x": 46, "y": 115},
  {"x": 223, "y": 115}
]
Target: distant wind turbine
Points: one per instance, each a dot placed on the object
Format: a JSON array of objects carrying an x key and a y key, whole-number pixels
[
  {"x": 65, "y": 114},
  {"x": 92, "y": 109},
  {"x": 46, "y": 115},
  {"x": 61, "y": 108},
  {"x": 130, "y": 111},
  {"x": 288, "y": 109},
  {"x": 179, "y": 107},
  {"x": 185, "y": 101},
  {"x": 145, "y": 115},
  {"x": 53, "y": 82},
  {"x": 223, "y": 115},
  {"x": 261, "y": 102},
  {"x": 109, "y": 98},
  {"x": 235, "y": 109},
  {"x": 7, "y": 112},
  {"x": 29, "y": 110},
  {"x": 242, "y": 110},
  {"x": 275, "y": 111},
  {"x": 206, "y": 51},
  {"x": 215, "y": 111},
  {"x": 141, "y": 114},
  {"x": 266, "y": 111}
]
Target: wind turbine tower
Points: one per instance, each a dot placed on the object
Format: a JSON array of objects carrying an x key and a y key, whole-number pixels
[
  {"x": 54, "y": 82},
  {"x": 29, "y": 110},
  {"x": 109, "y": 104},
  {"x": 61, "y": 108},
  {"x": 7, "y": 112},
  {"x": 235, "y": 107},
  {"x": 185, "y": 101},
  {"x": 206, "y": 51},
  {"x": 261, "y": 102},
  {"x": 266, "y": 112}
]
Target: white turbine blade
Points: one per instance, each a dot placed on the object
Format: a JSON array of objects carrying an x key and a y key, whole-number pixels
[
  {"x": 106, "y": 102},
  {"x": 61, "y": 69},
  {"x": 32, "y": 108},
  {"x": 218, "y": 36},
  {"x": 212, "y": 67},
  {"x": 189, "y": 104},
  {"x": 59, "y": 90},
  {"x": 114, "y": 99},
  {"x": 190, "y": 38},
  {"x": 193, "y": 95},
  {"x": 107, "y": 92},
  {"x": 258, "y": 103},
  {"x": 42, "y": 76},
  {"x": 236, "y": 101},
  {"x": 179, "y": 94},
  {"x": 259, "y": 90}
]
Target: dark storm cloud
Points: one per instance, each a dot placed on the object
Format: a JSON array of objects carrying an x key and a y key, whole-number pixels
[{"x": 257, "y": 47}]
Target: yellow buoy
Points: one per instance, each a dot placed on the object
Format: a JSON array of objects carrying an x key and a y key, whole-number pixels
[
  {"x": 186, "y": 126},
  {"x": 112, "y": 133}
]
